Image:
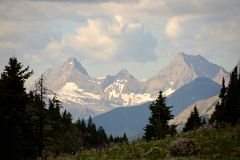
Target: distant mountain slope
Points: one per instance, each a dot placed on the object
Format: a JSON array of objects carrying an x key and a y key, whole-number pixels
[
  {"x": 133, "y": 119},
  {"x": 182, "y": 70},
  {"x": 200, "y": 88},
  {"x": 205, "y": 108}
]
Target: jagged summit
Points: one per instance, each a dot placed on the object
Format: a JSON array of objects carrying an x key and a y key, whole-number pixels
[
  {"x": 123, "y": 71},
  {"x": 73, "y": 63},
  {"x": 124, "y": 74},
  {"x": 182, "y": 69},
  {"x": 197, "y": 64},
  {"x": 76, "y": 88},
  {"x": 182, "y": 54},
  {"x": 201, "y": 66}
]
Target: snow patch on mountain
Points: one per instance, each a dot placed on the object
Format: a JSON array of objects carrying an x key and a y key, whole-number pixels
[
  {"x": 116, "y": 93},
  {"x": 71, "y": 92},
  {"x": 134, "y": 99},
  {"x": 97, "y": 82},
  {"x": 168, "y": 92}
]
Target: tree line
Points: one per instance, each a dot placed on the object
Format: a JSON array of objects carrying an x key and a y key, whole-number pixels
[
  {"x": 227, "y": 111},
  {"x": 31, "y": 127}
]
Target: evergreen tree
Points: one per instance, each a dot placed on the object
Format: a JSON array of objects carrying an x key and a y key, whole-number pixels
[
  {"x": 125, "y": 139},
  {"x": 110, "y": 139},
  {"x": 194, "y": 121},
  {"x": 228, "y": 109},
  {"x": 119, "y": 139},
  {"x": 232, "y": 105},
  {"x": 102, "y": 138},
  {"x": 204, "y": 121},
  {"x": 81, "y": 125},
  {"x": 158, "y": 126},
  {"x": 91, "y": 137},
  {"x": 41, "y": 114},
  {"x": 53, "y": 128},
  {"x": 31, "y": 127},
  {"x": 16, "y": 130},
  {"x": 218, "y": 114}
]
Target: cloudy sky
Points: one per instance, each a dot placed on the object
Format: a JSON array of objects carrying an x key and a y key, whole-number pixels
[{"x": 108, "y": 35}]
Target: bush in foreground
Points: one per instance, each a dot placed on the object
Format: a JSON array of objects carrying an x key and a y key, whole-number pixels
[
  {"x": 223, "y": 143},
  {"x": 182, "y": 147}
]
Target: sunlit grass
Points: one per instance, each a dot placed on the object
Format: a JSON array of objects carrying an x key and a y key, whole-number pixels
[{"x": 213, "y": 144}]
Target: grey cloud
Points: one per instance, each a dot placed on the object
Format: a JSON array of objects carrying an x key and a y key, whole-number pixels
[
  {"x": 203, "y": 7},
  {"x": 90, "y": 1},
  {"x": 138, "y": 46}
]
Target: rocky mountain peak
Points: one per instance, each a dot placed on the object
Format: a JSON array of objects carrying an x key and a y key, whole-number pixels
[
  {"x": 182, "y": 57},
  {"x": 178, "y": 59},
  {"x": 72, "y": 83},
  {"x": 124, "y": 74},
  {"x": 73, "y": 63},
  {"x": 197, "y": 64}
]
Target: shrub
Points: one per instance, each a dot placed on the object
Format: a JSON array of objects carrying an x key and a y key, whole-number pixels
[{"x": 182, "y": 147}]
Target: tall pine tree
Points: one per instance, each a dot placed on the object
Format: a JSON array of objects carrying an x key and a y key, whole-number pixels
[
  {"x": 158, "y": 126},
  {"x": 228, "y": 109},
  {"x": 16, "y": 130},
  {"x": 194, "y": 121}
]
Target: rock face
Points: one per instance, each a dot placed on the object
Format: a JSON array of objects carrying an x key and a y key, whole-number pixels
[
  {"x": 71, "y": 71},
  {"x": 182, "y": 70},
  {"x": 86, "y": 95}
]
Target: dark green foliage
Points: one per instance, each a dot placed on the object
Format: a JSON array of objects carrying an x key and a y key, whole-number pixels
[
  {"x": 125, "y": 139},
  {"x": 205, "y": 143},
  {"x": 228, "y": 109},
  {"x": 204, "y": 121},
  {"x": 16, "y": 131},
  {"x": 110, "y": 138},
  {"x": 194, "y": 121},
  {"x": 118, "y": 139},
  {"x": 32, "y": 128},
  {"x": 158, "y": 126}
]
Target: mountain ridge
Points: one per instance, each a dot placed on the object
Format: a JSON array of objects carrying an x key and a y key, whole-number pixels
[
  {"x": 182, "y": 69},
  {"x": 73, "y": 84},
  {"x": 133, "y": 119}
]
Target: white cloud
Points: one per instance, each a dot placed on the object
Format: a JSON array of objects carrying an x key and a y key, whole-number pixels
[
  {"x": 26, "y": 29},
  {"x": 9, "y": 45},
  {"x": 116, "y": 39},
  {"x": 173, "y": 26}
]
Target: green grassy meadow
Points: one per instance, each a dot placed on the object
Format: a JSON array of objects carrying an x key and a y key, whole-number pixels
[{"x": 211, "y": 143}]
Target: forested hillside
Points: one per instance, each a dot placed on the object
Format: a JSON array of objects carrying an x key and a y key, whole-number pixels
[{"x": 32, "y": 125}]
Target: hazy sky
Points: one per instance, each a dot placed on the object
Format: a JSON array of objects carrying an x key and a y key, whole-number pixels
[{"x": 108, "y": 35}]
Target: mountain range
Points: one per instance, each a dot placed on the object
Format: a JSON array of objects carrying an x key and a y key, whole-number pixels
[
  {"x": 84, "y": 95},
  {"x": 133, "y": 119}
]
